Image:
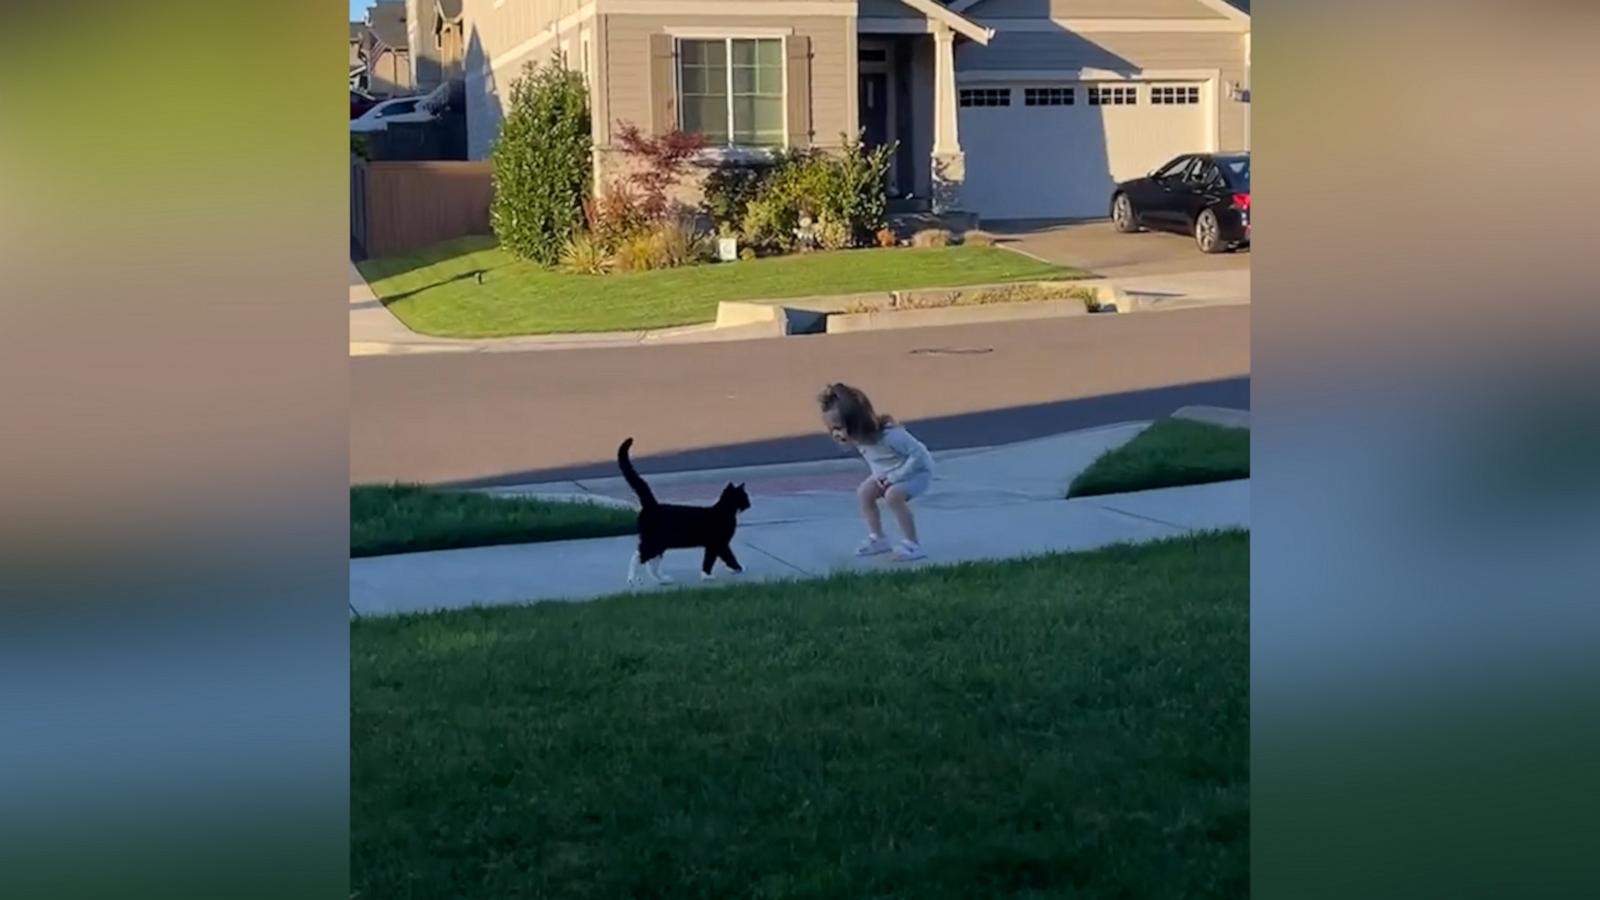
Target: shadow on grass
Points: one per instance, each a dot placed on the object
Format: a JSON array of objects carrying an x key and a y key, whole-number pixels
[{"x": 448, "y": 254}]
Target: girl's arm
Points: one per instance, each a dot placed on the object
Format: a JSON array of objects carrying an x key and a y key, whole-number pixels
[{"x": 917, "y": 458}]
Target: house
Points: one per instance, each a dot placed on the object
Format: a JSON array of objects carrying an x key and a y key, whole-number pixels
[
  {"x": 1005, "y": 108},
  {"x": 434, "y": 36},
  {"x": 383, "y": 48},
  {"x": 358, "y": 61}
]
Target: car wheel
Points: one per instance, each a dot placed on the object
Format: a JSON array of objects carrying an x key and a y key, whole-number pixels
[
  {"x": 1122, "y": 215},
  {"x": 1208, "y": 233}
]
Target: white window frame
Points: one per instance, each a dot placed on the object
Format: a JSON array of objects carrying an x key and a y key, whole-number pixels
[{"x": 730, "y": 150}]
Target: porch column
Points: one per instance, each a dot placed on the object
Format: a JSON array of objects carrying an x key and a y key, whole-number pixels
[{"x": 949, "y": 163}]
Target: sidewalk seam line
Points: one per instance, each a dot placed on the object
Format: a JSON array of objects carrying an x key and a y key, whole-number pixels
[
  {"x": 1133, "y": 515},
  {"x": 778, "y": 559}
]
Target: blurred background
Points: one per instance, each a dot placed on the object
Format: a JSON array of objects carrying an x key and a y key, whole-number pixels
[{"x": 1426, "y": 586}]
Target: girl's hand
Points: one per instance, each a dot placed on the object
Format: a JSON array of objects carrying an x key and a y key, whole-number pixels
[{"x": 884, "y": 484}]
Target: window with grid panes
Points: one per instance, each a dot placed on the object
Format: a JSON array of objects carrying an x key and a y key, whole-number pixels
[
  {"x": 985, "y": 96},
  {"x": 1113, "y": 95},
  {"x": 1049, "y": 96},
  {"x": 1174, "y": 94},
  {"x": 730, "y": 90}
]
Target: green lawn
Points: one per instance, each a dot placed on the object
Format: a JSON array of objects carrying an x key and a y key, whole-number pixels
[
  {"x": 437, "y": 292},
  {"x": 408, "y": 518},
  {"x": 1170, "y": 453},
  {"x": 1069, "y": 726}
]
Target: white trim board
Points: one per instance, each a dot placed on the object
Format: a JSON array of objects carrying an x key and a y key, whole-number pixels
[
  {"x": 782, "y": 8},
  {"x": 708, "y": 32},
  {"x": 551, "y": 32}
]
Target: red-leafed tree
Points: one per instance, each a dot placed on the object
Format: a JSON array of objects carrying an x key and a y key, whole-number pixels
[{"x": 659, "y": 163}]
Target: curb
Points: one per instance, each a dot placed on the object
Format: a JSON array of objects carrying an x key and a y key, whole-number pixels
[
  {"x": 1215, "y": 415},
  {"x": 785, "y": 317}
]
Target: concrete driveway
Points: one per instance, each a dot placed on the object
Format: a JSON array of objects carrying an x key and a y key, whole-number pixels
[{"x": 1165, "y": 267}]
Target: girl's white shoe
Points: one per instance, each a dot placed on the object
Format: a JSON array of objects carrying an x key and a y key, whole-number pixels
[
  {"x": 909, "y": 552},
  {"x": 872, "y": 546}
]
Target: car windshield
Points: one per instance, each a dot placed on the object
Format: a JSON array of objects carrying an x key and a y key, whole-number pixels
[
  {"x": 1237, "y": 169},
  {"x": 398, "y": 109}
]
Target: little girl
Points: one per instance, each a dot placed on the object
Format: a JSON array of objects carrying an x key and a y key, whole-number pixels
[{"x": 901, "y": 467}]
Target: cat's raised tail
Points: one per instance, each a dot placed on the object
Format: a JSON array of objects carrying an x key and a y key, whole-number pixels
[{"x": 646, "y": 497}]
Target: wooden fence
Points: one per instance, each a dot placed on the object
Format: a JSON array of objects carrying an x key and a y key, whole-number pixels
[{"x": 398, "y": 207}]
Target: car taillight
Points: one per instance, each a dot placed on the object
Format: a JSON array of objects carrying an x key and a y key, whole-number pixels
[{"x": 1241, "y": 201}]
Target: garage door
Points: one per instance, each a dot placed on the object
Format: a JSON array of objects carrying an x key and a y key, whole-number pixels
[{"x": 1054, "y": 150}]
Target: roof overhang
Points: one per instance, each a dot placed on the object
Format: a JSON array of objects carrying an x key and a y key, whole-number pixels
[
  {"x": 948, "y": 15},
  {"x": 1222, "y": 7}
]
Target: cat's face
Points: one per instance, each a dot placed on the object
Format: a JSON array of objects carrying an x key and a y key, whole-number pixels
[{"x": 734, "y": 495}]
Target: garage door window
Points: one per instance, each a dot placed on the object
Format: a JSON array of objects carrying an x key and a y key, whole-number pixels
[
  {"x": 1113, "y": 95},
  {"x": 986, "y": 97},
  {"x": 1174, "y": 94},
  {"x": 1048, "y": 96}
]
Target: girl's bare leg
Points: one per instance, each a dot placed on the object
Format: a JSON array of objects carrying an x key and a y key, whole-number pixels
[
  {"x": 868, "y": 493},
  {"x": 900, "y": 505}
]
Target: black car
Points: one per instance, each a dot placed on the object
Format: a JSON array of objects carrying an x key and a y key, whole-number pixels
[{"x": 1203, "y": 194}]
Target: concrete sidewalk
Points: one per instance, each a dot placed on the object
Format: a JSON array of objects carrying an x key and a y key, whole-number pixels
[{"x": 990, "y": 504}]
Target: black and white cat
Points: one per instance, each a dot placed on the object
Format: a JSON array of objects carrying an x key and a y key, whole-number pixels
[{"x": 664, "y": 527}]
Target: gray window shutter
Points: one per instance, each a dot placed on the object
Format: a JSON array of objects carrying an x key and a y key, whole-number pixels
[
  {"x": 799, "y": 88},
  {"x": 663, "y": 83}
]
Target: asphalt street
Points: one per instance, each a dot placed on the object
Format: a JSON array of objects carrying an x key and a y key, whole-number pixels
[{"x": 505, "y": 418}]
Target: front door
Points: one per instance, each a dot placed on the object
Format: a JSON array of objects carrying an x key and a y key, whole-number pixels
[{"x": 875, "y": 111}]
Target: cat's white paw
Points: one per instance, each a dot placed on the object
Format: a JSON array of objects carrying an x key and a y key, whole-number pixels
[
  {"x": 707, "y": 576},
  {"x": 665, "y": 579}
]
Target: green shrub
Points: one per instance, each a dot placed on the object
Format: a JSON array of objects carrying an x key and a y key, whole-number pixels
[
  {"x": 846, "y": 188},
  {"x": 583, "y": 255},
  {"x": 747, "y": 254},
  {"x": 360, "y": 145},
  {"x": 542, "y": 163},
  {"x": 769, "y": 223},
  {"x": 728, "y": 191},
  {"x": 833, "y": 234},
  {"x": 862, "y": 189}
]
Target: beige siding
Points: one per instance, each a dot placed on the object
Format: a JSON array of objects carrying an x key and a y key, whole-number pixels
[
  {"x": 391, "y": 75},
  {"x": 1093, "y": 9},
  {"x": 1124, "y": 53},
  {"x": 500, "y": 41},
  {"x": 627, "y": 54}
]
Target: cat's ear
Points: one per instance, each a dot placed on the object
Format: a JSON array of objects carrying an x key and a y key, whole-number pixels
[{"x": 741, "y": 485}]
